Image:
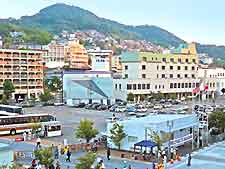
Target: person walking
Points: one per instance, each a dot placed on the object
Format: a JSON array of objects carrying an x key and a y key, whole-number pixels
[
  {"x": 108, "y": 153},
  {"x": 124, "y": 165},
  {"x": 68, "y": 156},
  {"x": 189, "y": 160},
  {"x": 57, "y": 165},
  {"x": 153, "y": 165}
]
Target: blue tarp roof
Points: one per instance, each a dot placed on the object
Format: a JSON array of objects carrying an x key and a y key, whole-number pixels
[{"x": 146, "y": 143}]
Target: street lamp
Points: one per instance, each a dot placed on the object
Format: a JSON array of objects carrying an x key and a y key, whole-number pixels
[{"x": 170, "y": 126}]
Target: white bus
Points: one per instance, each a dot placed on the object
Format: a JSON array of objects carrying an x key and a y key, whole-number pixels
[
  {"x": 24, "y": 123},
  {"x": 4, "y": 113},
  {"x": 11, "y": 109}
]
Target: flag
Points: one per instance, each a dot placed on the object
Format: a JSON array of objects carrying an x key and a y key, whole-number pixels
[
  {"x": 206, "y": 88},
  {"x": 196, "y": 90}
]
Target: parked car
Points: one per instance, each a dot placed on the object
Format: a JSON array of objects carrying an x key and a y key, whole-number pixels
[
  {"x": 142, "y": 109},
  {"x": 112, "y": 119},
  {"x": 88, "y": 106},
  {"x": 102, "y": 107},
  {"x": 120, "y": 109},
  {"x": 131, "y": 109},
  {"x": 113, "y": 108},
  {"x": 158, "y": 107}
]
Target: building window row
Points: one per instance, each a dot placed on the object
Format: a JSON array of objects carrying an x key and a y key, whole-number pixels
[
  {"x": 118, "y": 86},
  {"x": 183, "y": 85},
  {"x": 138, "y": 86},
  {"x": 178, "y": 76},
  {"x": 179, "y": 60},
  {"x": 178, "y": 68}
]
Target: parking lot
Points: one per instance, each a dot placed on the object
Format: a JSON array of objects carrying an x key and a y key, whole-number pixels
[{"x": 70, "y": 118}]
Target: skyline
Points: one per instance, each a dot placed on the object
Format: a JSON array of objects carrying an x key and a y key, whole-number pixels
[{"x": 192, "y": 21}]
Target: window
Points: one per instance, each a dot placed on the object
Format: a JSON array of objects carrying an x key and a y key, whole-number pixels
[
  {"x": 163, "y": 67},
  {"x": 178, "y": 75},
  {"x": 159, "y": 86},
  {"x": 171, "y": 85},
  {"x": 115, "y": 86},
  {"x": 164, "y": 59},
  {"x": 197, "y": 84},
  {"x": 193, "y": 60},
  {"x": 171, "y": 59},
  {"x": 185, "y": 68},
  {"x": 178, "y": 85},
  {"x": 126, "y": 76},
  {"x": 178, "y": 67},
  {"x": 157, "y": 67},
  {"x": 143, "y": 67},
  {"x": 143, "y": 86},
  {"x": 120, "y": 86},
  {"x": 175, "y": 85},
  {"x": 148, "y": 86},
  {"x": 163, "y": 76},
  {"x": 157, "y": 75},
  {"x": 193, "y": 76},
  {"x": 179, "y": 60},
  {"x": 134, "y": 87},
  {"x": 182, "y": 85},
  {"x": 129, "y": 86},
  {"x": 186, "y": 85},
  {"x": 171, "y": 75},
  {"x": 126, "y": 67},
  {"x": 171, "y": 67},
  {"x": 189, "y": 85},
  {"x": 139, "y": 86},
  {"x": 144, "y": 76},
  {"x": 186, "y": 76},
  {"x": 155, "y": 86},
  {"x": 193, "y": 68},
  {"x": 193, "y": 85},
  {"x": 186, "y": 60}
]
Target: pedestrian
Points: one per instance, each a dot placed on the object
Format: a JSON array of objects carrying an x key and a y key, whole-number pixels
[
  {"x": 38, "y": 141},
  {"x": 68, "y": 156},
  {"x": 57, "y": 165},
  {"x": 108, "y": 153},
  {"x": 129, "y": 167},
  {"x": 24, "y": 136},
  {"x": 189, "y": 160},
  {"x": 153, "y": 165},
  {"x": 51, "y": 166},
  {"x": 34, "y": 163},
  {"x": 56, "y": 152},
  {"x": 124, "y": 165},
  {"x": 102, "y": 165}
]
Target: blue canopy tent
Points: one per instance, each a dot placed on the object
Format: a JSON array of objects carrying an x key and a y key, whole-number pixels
[{"x": 145, "y": 143}]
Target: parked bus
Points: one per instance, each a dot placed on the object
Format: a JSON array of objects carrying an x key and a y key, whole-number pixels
[
  {"x": 24, "y": 123},
  {"x": 11, "y": 109},
  {"x": 4, "y": 113}
]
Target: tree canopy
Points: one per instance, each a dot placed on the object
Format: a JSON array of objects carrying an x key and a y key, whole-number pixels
[
  {"x": 44, "y": 156},
  {"x": 8, "y": 88},
  {"x": 86, "y": 161},
  {"x": 86, "y": 130},
  {"x": 117, "y": 134}
]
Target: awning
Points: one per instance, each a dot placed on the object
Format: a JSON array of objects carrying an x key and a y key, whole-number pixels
[{"x": 145, "y": 143}]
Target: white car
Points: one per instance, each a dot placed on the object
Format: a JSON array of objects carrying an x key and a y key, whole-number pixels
[
  {"x": 167, "y": 105},
  {"x": 120, "y": 109},
  {"x": 142, "y": 110},
  {"x": 158, "y": 107},
  {"x": 112, "y": 119}
]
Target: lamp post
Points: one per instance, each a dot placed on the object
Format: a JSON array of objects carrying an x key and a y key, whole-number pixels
[{"x": 170, "y": 126}]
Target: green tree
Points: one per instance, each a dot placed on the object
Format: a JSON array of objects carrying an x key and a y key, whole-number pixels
[
  {"x": 55, "y": 84},
  {"x": 46, "y": 96},
  {"x": 217, "y": 119},
  {"x": 86, "y": 161},
  {"x": 172, "y": 96},
  {"x": 4, "y": 99},
  {"x": 8, "y": 88},
  {"x": 130, "y": 97},
  {"x": 86, "y": 130},
  {"x": 159, "y": 139},
  {"x": 117, "y": 134},
  {"x": 44, "y": 156}
]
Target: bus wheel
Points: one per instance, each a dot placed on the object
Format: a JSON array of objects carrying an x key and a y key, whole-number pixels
[{"x": 13, "y": 132}]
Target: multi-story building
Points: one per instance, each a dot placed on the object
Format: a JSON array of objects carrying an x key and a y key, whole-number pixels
[
  {"x": 77, "y": 56},
  {"x": 145, "y": 73},
  {"x": 101, "y": 60},
  {"x": 213, "y": 77},
  {"x": 25, "y": 69},
  {"x": 55, "y": 56}
]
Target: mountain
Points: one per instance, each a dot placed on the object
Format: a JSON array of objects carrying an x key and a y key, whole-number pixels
[{"x": 59, "y": 17}]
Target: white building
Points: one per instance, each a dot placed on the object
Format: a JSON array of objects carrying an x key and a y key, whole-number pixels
[
  {"x": 145, "y": 73},
  {"x": 214, "y": 77},
  {"x": 100, "y": 59},
  {"x": 56, "y": 56},
  {"x": 1, "y": 42},
  {"x": 180, "y": 127}
]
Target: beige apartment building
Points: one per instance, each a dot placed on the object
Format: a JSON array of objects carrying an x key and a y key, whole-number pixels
[
  {"x": 172, "y": 73},
  {"x": 25, "y": 69}
]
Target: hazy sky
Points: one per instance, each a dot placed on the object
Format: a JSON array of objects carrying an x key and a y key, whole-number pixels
[{"x": 192, "y": 20}]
